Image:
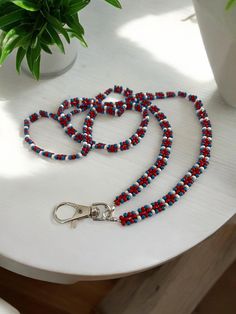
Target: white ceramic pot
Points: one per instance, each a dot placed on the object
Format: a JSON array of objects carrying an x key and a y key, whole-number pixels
[
  {"x": 218, "y": 29},
  {"x": 56, "y": 63}
]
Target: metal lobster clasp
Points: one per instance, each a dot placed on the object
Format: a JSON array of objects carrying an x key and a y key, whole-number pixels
[{"x": 97, "y": 211}]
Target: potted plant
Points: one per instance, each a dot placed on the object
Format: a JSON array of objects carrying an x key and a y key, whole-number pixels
[
  {"x": 217, "y": 22},
  {"x": 38, "y": 28}
]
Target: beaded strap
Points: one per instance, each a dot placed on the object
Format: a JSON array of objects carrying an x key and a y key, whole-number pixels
[
  {"x": 188, "y": 179},
  {"x": 140, "y": 102}
]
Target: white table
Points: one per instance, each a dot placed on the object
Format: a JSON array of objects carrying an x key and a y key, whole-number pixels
[{"x": 146, "y": 47}]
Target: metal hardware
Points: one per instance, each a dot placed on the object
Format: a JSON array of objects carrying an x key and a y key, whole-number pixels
[
  {"x": 97, "y": 211},
  {"x": 106, "y": 214}
]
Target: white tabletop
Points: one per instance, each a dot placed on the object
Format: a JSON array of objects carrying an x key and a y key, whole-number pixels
[{"x": 147, "y": 46}]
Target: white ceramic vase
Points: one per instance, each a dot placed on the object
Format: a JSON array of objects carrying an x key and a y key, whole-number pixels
[
  {"x": 56, "y": 63},
  {"x": 218, "y": 29}
]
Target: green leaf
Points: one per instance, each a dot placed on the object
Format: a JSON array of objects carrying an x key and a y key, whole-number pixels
[
  {"x": 46, "y": 48},
  {"x": 115, "y": 3},
  {"x": 29, "y": 59},
  {"x": 19, "y": 58},
  {"x": 80, "y": 37},
  {"x": 36, "y": 68},
  {"x": 35, "y": 50},
  {"x": 76, "y": 6},
  {"x": 46, "y": 38},
  {"x": 230, "y": 4},
  {"x": 59, "y": 3},
  {"x": 11, "y": 18},
  {"x": 27, "y": 5},
  {"x": 6, "y": 7},
  {"x": 25, "y": 41},
  {"x": 57, "y": 24},
  {"x": 42, "y": 30},
  {"x": 54, "y": 35},
  {"x": 2, "y": 36},
  {"x": 17, "y": 31},
  {"x": 74, "y": 24},
  {"x": 8, "y": 47}
]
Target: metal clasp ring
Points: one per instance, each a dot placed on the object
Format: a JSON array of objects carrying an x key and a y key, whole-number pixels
[
  {"x": 99, "y": 215},
  {"x": 94, "y": 211},
  {"x": 80, "y": 212}
]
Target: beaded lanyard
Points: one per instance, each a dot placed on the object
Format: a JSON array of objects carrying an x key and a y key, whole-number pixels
[{"x": 140, "y": 102}]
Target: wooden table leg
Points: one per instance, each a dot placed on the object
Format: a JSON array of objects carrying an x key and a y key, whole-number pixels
[{"x": 179, "y": 285}]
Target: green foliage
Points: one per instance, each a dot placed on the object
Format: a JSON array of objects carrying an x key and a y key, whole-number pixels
[
  {"x": 32, "y": 26},
  {"x": 230, "y": 4}
]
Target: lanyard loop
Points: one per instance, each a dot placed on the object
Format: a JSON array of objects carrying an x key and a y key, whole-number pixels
[{"x": 141, "y": 102}]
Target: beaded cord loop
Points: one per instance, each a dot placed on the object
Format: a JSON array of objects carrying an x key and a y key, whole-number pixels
[
  {"x": 110, "y": 108},
  {"x": 141, "y": 102}
]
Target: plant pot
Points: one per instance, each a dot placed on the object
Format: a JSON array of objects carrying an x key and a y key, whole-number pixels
[
  {"x": 218, "y": 29},
  {"x": 56, "y": 63}
]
